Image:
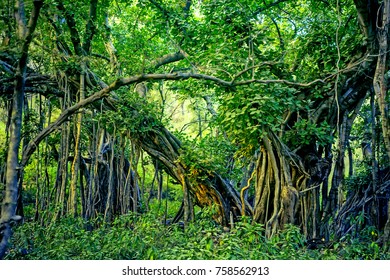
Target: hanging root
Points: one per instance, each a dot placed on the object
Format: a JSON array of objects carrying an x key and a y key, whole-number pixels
[{"x": 242, "y": 193}]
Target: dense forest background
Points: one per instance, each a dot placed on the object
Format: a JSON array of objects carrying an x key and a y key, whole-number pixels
[{"x": 179, "y": 129}]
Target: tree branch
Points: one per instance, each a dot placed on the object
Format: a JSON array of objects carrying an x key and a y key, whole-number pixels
[
  {"x": 221, "y": 82},
  {"x": 270, "y": 63},
  {"x": 32, "y": 23},
  {"x": 169, "y": 58},
  {"x": 74, "y": 34},
  {"x": 90, "y": 28},
  {"x": 7, "y": 68},
  {"x": 134, "y": 80}
]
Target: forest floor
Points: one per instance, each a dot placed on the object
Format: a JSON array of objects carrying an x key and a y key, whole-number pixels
[{"x": 145, "y": 237}]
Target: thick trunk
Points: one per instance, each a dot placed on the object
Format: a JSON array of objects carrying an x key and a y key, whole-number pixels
[{"x": 280, "y": 177}]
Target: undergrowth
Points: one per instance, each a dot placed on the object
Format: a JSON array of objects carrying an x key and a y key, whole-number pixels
[{"x": 145, "y": 237}]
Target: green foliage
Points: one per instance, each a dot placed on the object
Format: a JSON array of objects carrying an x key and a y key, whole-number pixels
[
  {"x": 30, "y": 124},
  {"x": 362, "y": 245},
  {"x": 305, "y": 132},
  {"x": 133, "y": 115},
  {"x": 359, "y": 180},
  {"x": 247, "y": 114},
  {"x": 209, "y": 154},
  {"x": 136, "y": 236}
]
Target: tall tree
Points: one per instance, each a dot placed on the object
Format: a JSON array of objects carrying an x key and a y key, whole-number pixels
[{"x": 24, "y": 37}]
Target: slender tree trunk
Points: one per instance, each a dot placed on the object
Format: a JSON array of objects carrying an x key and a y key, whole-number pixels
[
  {"x": 92, "y": 171},
  {"x": 63, "y": 174},
  {"x": 109, "y": 211},
  {"x": 373, "y": 159},
  {"x": 261, "y": 189},
  {"x": 380, "y": 88},
  {"x": 76, "y": 160},
  {"x": 8, "y": 209},
  {"x": 380, "y": 84}
]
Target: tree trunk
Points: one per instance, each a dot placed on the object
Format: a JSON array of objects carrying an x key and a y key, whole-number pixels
[
  {"x": 76, "y": 161},
  {"x": 8, "y": 209},
  {"x": 380, "y": 87}
]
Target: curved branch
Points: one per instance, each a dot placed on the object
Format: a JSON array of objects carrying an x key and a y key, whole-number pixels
[
  {"x": 219, "y": 81},
  {"x": 133, "y": 80},
  {"x": 281, "y": 41}
]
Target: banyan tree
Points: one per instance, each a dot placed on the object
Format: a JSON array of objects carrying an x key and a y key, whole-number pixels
[{"x": 282, "y": 81}]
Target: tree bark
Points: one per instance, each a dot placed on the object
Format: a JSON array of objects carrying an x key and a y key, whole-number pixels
[
  {"x": 380, "y": 88},
  {"x": 25, "y": 35},
  {"x": 76, "y": 161},
  {"x": 379, "y": 83}
]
